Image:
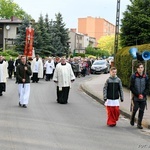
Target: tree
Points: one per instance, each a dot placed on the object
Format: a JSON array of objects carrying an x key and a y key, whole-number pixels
[
  {"x": 8, "y": 8},
  {"x": 48, "y": 38},
  {"x": 107, "y": 43},
  {"x": 37, "y": 39},
  {"x": 44, "y": 40},
  {"x": 52, "y": 37},
  {"x": 135, "y": 24},
  {"x": 20, "y": 41},
  {"x": 96, "y": 52},
  {"x": 60, "y": 36}
]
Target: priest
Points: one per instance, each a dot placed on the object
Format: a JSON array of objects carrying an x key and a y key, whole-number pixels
[
  {"x": 37, "y": 69},
  {"x": 63, "y": 76}
]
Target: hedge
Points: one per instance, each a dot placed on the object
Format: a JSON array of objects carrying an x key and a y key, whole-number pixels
[
  {"x": 9, "y": 53},
  {"x": 124, "y": 63}
]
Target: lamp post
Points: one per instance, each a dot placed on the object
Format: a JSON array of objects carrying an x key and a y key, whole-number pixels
[{"x": 117, "y": 28}]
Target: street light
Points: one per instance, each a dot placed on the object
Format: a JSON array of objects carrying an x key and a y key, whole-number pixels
[{"x": 117, "y": 27}]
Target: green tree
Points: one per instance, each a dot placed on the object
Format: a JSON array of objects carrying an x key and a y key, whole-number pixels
[
  {"x": 37, "y": 39},
  {"x": 43, "y": 36},
  {"x": 135, "y": 24},
  {"x": 96, "y": 52},
  {"x": 60, "y": 36},
  {"x": 48, "y": 38},
  {"x": 42, "y": 44},
  {"x": 21, "y": 37},
  {"x": 90, "y": 50},
  {"x": 9, "y": 8},
  {"x": 51, "y": 32}
]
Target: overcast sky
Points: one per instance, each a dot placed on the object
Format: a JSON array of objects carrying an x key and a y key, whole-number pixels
[{"x": 71, "y": 10}]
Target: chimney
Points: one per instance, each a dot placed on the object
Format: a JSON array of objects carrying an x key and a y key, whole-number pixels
[
  {"x": 73, "y": 30},
  {"x": 13, "y": 18}
]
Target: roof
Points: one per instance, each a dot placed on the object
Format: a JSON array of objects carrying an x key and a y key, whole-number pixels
[
  {"x": 12, "y": 20},
  {"x": 9, "y": 21}
]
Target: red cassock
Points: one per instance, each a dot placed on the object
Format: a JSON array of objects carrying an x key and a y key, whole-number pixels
[
  {"x": 29, "y": 42},
  {"x": 113, "y": 113}
]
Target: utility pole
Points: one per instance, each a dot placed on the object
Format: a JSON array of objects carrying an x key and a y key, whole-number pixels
[{"x": 117, "y": 27}]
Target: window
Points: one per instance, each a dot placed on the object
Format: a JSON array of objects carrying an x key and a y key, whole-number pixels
[{"x": 17, "y": 30}]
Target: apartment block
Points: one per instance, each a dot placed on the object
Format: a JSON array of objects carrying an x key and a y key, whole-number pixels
[{"x": 95, "y": 27}]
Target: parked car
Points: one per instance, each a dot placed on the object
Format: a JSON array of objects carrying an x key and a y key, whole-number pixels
[
  {"x": 110, "y": 59},
  {"x": 100, "y": 66}
]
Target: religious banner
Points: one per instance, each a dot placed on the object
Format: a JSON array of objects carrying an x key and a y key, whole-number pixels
[{"x": 29, "y": 42}]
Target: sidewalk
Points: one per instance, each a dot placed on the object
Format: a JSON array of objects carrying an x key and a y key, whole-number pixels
[{"x": 94, "y": 88}]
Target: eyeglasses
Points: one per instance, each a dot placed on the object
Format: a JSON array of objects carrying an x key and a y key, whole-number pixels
[{"x": 140, "y": 67}]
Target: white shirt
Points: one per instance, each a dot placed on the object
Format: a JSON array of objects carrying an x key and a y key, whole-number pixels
[
  {"x": 49, "y": 67},
  {"x": 36, "y": 67},
  {"x": 1, "y": 73},
  {"x": 110, "y": 102}
]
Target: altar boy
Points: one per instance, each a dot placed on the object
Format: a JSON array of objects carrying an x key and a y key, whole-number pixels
[{"x": 112, "y": 91}]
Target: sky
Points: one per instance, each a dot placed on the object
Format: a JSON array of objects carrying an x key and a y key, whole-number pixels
[{"x": 71, "y": 10}]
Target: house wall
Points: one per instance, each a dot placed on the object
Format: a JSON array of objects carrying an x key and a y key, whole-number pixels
[
  {"x": 72, "y": 41},
  {"x": 86, "y": 41},
  {"x": 79, "y": 42},
  {"x": 11, "y": 33}
]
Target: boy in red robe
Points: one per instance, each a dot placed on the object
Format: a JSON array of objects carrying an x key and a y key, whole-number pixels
[{"x": 112, "y": 91}]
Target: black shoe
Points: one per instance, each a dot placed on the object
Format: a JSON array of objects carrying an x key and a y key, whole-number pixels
[
  {"x": 112, "y": 125},
  {"x": 132, "y": 123},
  {"x": 1, "y": 94},
  {"x": 20, "y": 104},
  {"x": 24, "y": 106},
  {"x": 139, "y": 127},
  {"x": 63, "y": 102}
]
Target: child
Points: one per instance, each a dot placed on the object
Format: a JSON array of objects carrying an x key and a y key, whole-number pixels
[{"x": 111, "y": 92}]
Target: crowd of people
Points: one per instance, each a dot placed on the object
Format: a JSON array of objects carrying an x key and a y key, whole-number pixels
[{"x": 81, "y": 66}]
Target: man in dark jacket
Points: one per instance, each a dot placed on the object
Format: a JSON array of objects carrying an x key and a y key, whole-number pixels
[
  {"x": 139, "y": 86},
  {"x": 10, "y": 67},
  {"x": 23, "y": 76}
]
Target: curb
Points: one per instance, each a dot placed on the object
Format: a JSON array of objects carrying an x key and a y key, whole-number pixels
[{"x": 122, "y": 112}]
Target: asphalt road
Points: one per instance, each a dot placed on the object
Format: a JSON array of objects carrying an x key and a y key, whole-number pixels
[{"x": 47, "y": 125}]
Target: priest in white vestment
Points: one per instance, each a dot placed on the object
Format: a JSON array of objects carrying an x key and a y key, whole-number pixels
[
  {"x": 37, "y": 69},
  {"x": 63, "y": 76},
  {"x": 49, "y": 66}
]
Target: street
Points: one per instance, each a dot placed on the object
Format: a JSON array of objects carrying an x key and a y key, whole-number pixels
[{"x": 47, "y": 125}]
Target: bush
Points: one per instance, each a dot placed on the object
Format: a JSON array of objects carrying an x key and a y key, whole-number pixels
[
  {"x": 126, "y": 64},
  {"x": 12, "y": 53},
  {"x": 9, "y": 53},
  {"x": 80, "y": 54},
  {"x": 90, "y": 56},
  {"x": 96, "y": 52}
]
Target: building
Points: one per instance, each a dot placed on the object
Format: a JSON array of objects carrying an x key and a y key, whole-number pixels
[
  {"x": 8, "y": 31},
  {"x": 95, "y": 27},
  {"x": 78, "y": 41}
]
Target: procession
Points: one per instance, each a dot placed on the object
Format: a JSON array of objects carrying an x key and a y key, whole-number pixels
[{"x": 37, "y": 69}]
